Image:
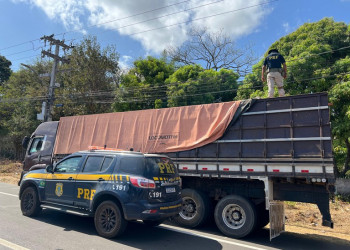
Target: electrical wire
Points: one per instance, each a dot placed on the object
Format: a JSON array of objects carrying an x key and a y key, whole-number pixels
[
  {"x": 91, "y": 94},
  {"x": 74, "y": 30}
]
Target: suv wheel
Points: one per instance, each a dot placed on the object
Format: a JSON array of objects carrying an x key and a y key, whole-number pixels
[
  {"x": 30, "y": 204},
  {"x": 109, "y": 221}
]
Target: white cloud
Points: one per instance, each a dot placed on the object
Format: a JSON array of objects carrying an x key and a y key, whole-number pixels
[
  {"x": 124, "y": 62},
  {"x": 286, "y": 27},
  {"x": 236, "y": 24}
]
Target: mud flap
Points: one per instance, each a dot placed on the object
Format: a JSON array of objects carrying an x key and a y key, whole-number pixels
[{"x": 277, "y": 218}]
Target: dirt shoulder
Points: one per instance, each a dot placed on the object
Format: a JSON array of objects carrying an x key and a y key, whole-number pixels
[
  {"x": 302, "y": 218},
  {"x": 10, "y": 171}
]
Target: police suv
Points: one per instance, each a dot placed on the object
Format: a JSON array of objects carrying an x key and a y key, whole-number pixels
[{"x": 112, "y": 186}]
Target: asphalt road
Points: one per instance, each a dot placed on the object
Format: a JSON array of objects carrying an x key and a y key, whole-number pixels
[{"x": 55, "y": 230}]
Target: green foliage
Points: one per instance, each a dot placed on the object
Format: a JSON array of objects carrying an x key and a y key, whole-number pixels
[
  {"x": 192, "y": 84},
  {"x": 143, "y": 85},
  {"x": 18, "y": 113},
  {"x": 5, "y": 70},
  {"x": 87, "y": 79},
  {"x": 340, "y": 99},
  {"x": 307, "y": 72}
]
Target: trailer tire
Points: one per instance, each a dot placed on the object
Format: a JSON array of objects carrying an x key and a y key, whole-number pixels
[
  {"x": 196, "y": 208},
  {"x": 235, "y": 216}
]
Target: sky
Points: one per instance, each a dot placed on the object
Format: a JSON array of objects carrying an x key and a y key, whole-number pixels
[{"x": 138, "y": 28}]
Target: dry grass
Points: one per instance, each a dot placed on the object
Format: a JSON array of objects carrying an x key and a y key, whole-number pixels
[
  {"x": 306, "y": 218},
  {"x": 302, "y": 218},
  {"x": 10, "y": 171}
]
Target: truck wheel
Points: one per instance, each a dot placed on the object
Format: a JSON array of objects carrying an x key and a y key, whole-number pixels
[
  {"x": 152, "y": 223},
  {"x": 235, "y": 216},
  {"x": 109, "y": 221},
  {"x": 195, "y": 210},
  {"x": 30, "y": 204},
  {"x": 263, "y": 216}
]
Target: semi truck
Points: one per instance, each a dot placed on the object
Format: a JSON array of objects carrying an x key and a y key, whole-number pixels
[{"x": 238, "y": 161}]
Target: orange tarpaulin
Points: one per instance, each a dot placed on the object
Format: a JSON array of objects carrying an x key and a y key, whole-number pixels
[{"x": 147, "y": 131}]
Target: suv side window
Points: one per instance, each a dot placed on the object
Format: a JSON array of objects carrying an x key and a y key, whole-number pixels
[
  {"x": 93, "y": 164},
  {"x": 106, "y": 163},
  {"x": 97, "y": 164},
  {"x": 69, "y": 165},
  {"x": 132, "y": 165},
  {"x": 37, "y": 145}
]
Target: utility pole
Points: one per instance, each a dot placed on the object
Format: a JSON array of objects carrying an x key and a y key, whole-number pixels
[{"x": 57, "y": 59}]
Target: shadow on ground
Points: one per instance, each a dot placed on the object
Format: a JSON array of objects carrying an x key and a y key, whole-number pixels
[{"x": 141, "y": 236}]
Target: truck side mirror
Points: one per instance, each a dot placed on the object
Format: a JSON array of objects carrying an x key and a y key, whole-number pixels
[
  {"x": 25, "y": 142},
  {"x": 49, "y": 169}
]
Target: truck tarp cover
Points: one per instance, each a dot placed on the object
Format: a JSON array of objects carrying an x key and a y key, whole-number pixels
[{"x": 148, "y": 131}]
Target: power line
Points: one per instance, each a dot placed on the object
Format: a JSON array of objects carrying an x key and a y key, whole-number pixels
[
  {"x": 91, "y": 94},
  {"x": 133, "y": 15},
  {"x": 200, "y": 6},
  {"x": 127, "y": 17}
]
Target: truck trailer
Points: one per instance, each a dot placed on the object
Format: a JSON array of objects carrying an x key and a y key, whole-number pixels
[{"x": 238, "y": 161}]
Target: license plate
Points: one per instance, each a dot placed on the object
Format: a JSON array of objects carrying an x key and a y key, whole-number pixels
[{"x": 170, "y": 190}]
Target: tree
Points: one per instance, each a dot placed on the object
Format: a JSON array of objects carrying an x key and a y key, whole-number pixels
[
  {"x": 5, "y": 70},
  {"x": 340, "y": 99},
  {"x": 215, "y": 50},
  {"x": 143, "y": 87},
  {"x": 192, "y": 84},
  {"x": 311, "y": 52},
  {"x": 88, "y": 81},
  {"x": 22, "y": 96},
  {"x": 317, "y": 60}
]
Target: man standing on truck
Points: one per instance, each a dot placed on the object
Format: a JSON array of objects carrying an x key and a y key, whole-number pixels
[{"x": 275, "y": 73}]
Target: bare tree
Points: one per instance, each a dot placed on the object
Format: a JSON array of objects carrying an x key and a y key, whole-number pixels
[{"x": 214, "y": 50}]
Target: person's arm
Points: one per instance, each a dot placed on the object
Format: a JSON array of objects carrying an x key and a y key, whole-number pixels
[
  {"x": 285, "y": 70},
  {"x": 263, "y": 69}
]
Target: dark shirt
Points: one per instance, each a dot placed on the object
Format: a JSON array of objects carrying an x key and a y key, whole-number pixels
[{"x": 274, "y": 60}]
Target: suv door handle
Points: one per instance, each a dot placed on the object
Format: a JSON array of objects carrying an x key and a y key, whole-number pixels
[
  {"x": 70, "y": 178},
  {"x": 100, "y": 179}
]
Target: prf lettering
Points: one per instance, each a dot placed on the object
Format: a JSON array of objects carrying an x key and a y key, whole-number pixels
[
  {"x": 85, "y": 193},
  {"x": 166, "y": 168}
]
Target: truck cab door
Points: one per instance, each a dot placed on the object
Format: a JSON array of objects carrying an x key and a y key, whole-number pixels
[{"x": 60, "y": 185}]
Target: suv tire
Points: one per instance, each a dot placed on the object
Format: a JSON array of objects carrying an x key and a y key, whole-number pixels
[
  {"x": 109, "y": 220},
  {"x": 30, "y": 204}
]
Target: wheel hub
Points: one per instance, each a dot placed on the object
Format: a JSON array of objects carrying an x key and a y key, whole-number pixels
[
  {"x": 236, "y": 215},
  {"x": 233, "y": 216},
  {"x": 189, "y": 208}
]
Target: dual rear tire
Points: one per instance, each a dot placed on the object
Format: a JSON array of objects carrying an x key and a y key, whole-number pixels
[{"x": 234, "y": 215}]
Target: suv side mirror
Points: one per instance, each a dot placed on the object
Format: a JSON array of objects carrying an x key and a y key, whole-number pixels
[
  {"x": 25, "y": 142},
  {"x": 49, "y": 169}
]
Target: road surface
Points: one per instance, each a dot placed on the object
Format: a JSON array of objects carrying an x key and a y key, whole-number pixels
[{"x": 55, "y": 230}]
